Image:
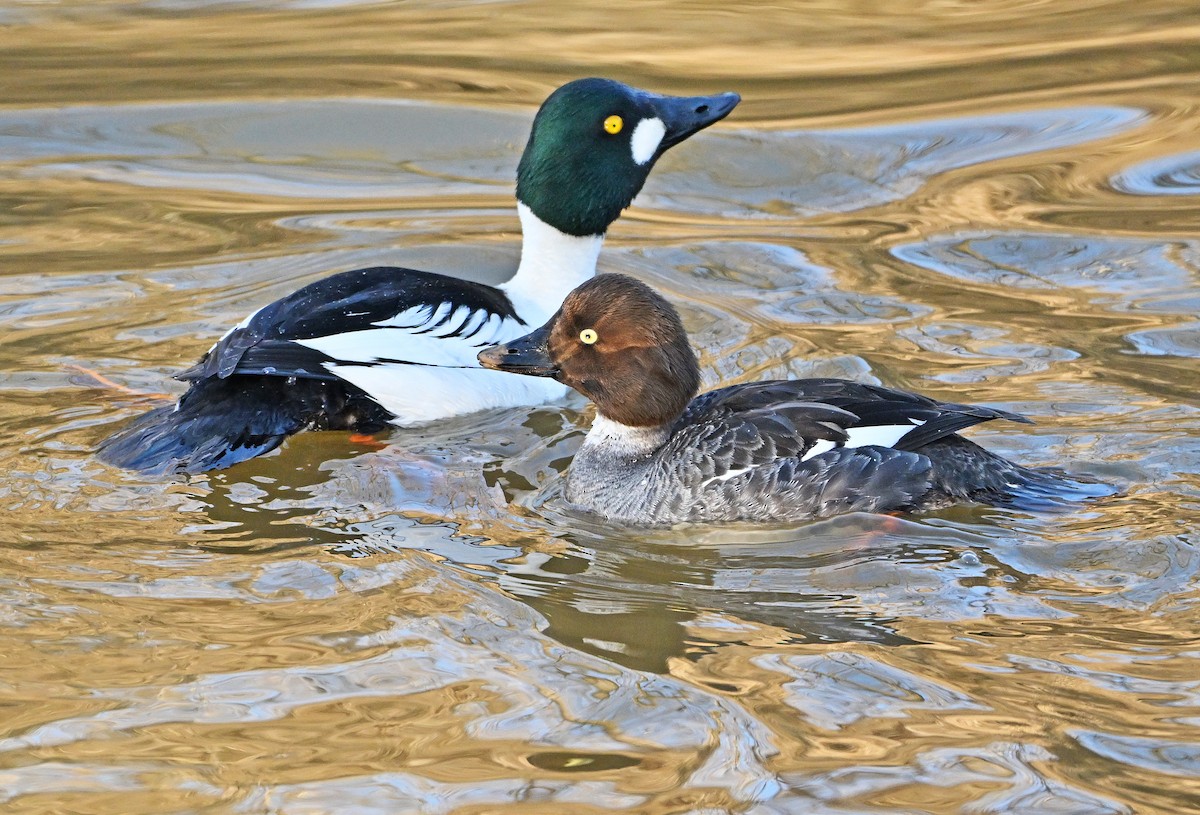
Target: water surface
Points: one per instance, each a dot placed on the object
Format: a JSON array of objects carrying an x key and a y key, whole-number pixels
[{"x": 997, "y": 203}]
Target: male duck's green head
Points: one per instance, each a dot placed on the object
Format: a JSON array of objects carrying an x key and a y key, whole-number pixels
[{"x": 593, "y": 143}]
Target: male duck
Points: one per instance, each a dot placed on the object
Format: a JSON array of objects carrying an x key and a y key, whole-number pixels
[
  {"x": 365, "y": 348},
  {"x": 764, "y": 451}
]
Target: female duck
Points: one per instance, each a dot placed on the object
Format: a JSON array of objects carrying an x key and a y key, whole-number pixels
[
  {"x": 764, "y": 451},
  {"x": 372, "y": 347}
]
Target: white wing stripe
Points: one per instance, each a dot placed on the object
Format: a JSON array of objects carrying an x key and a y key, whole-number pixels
[
  {"x": 454, "y": 322},
  {"x": 409, "y": 344},
  {"x": 414, "y": 317},
  {"x": 817, "y": 449},
  {"x": 880, "y": 435},
  {"x": 478, "y": 318},
  {"x": 439, "y": 317},
  {"x": 884, "y": 435},
  {"x": 498, "y": 329}
]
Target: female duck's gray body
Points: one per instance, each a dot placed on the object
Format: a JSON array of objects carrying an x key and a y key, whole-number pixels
[
  {"x": 367, "y": 348},
  {"x": 754, "y": 453},
  {"x": 767, "y": 451}
]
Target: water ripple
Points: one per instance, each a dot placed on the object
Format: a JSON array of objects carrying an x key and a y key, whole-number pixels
[
  {"x": 1155, "y": 754},
  {"x": 540, "y": 692},
  {"x": 58, "y": 778},
  {"x": 804, "y": 173},
  {"x": 836, "y": 689},
  {"x": 1125, "y": 268},
  {"x": 416, "y": 622},
  {"x": 1178, "y": 341},
  {"x": 1168, "y": 175},
  {"x": 390, "y": 793},
  {"x": 1012, "y": 766}
]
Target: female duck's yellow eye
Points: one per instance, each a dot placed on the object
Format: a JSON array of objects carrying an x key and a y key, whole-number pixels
[
  {"x": 613, "y": 124},
  {"x": 588, "y": 336}
]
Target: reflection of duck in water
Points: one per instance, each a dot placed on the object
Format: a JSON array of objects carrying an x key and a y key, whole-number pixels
[
  {"x": 372, "y": 347},
  {"x": 764, "y": 451}
]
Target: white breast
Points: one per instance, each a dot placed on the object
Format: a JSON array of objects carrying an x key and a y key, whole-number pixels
[
  {"x": 421, "y": 364},
  {"x": 420, "y": 394}
]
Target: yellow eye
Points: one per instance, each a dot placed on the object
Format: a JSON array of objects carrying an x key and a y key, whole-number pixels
[
  {"x": 613, "y": 125},
  {"x": 588, "y": 337}
]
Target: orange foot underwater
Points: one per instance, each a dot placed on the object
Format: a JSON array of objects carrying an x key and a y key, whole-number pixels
[
  {"x": 103, "y": 381},
  {"x": 368, "y": 440}
]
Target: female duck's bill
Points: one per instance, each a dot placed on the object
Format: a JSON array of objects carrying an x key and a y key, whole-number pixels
[{"x": 781, "y": 450}]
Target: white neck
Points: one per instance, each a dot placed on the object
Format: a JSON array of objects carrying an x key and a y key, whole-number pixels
[
  {"x": 625, "y": 440},
  {"x": 552, "y": 264}
]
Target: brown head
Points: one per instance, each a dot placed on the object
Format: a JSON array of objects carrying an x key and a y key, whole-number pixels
[{"x": 616, "y": 341}]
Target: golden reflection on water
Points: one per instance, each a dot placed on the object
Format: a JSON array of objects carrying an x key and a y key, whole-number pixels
[{"x": 986, "y": 202}]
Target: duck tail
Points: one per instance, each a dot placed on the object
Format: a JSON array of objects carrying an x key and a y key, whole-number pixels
[
  {"x": 222, "y": 422},
  {"x": 964, "y": 471},
  {"x": 1049, "y": 488}
]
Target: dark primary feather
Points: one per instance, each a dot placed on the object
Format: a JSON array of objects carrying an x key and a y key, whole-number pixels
[
  {"x": 270, "y": 357},
  {"x": 844, "y": 394},
  {"x": 220, "y": 422}
]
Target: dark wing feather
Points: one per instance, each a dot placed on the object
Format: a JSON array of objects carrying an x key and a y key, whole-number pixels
[
  {"x": 742, "y": 427},
  {"x": 343, "y": 303},
  {"x": 220, "y": 422},
  {"x": 938, "y": 428},
  {"x": 281, "y": 358}
]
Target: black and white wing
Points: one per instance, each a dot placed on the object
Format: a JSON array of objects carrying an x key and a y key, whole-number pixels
[
  {"x": 367, "y": 317},
  {"x": 355, "y": 351}
]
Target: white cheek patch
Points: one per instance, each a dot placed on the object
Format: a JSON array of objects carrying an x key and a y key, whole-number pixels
[{"x": 645, "y": 139}]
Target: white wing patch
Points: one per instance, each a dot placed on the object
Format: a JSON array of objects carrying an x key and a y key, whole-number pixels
[
  {"x": 422, "y": 335},
  {"x": 646, "y": 138},
  {"x": 817, "y": 449},
  {"x": 877, "y": 435},
  {"x": 883, "y": 435}
]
